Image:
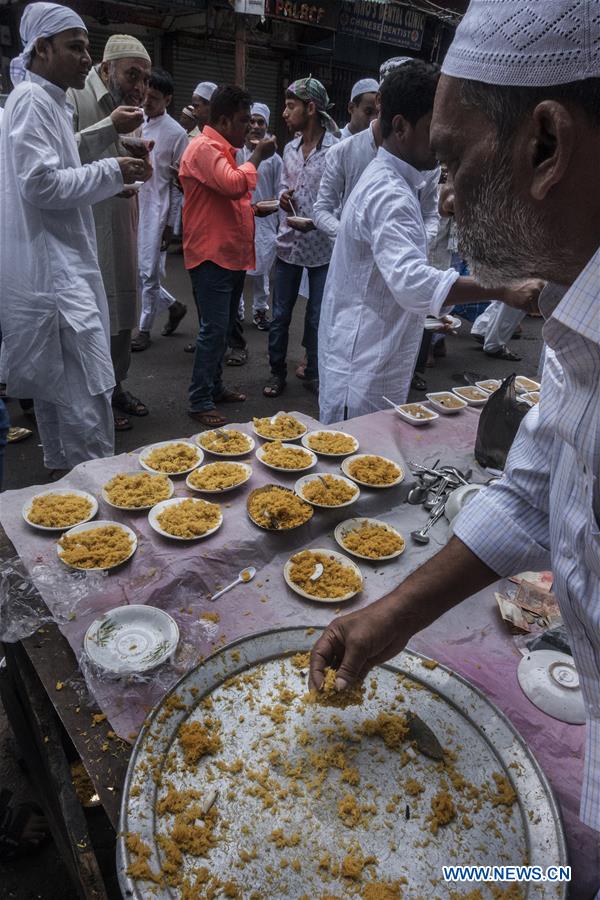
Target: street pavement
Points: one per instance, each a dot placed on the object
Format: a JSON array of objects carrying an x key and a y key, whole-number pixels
[{"x": 160, "y": 377}]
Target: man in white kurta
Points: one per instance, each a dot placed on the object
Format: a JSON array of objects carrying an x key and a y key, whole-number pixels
[
  {"x": 53, "y": 309},
  {"x": 267, "y": 188},
  {"x": 160, "y": 209},
  {"x": 362, "y": 107}
]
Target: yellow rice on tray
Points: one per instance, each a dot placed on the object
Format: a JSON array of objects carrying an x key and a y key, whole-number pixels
[
  {"x": 225, "y": 441},
  {"x": 96, "y": 548},
  {"x": 278, "y": 508},
  {"x": 59, "y": 510},
  {"x": 374, "y": 470},
  {"x": 190, "y": 518},
  {"x": 284, "y": 428},
  {"x": 137, "y": 489},
  {"x": 218, "y": 476},
  {"x": 326, "y": 442},
  {"x": 172, "y": 458},
  {"x": 373, "y": 541},
  {"x": 285, "y": 457},
  {"x": 333, "y": 493},
  {"x": 336, "y": 581}
]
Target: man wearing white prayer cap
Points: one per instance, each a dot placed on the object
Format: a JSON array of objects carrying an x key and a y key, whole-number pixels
[
  {"x": 53, "y": 309},
  {"x": 517, "y": 122},
  {"x": 201, "y": 103},
  {"x": 110, "y": 105},
  {"x": 362, "y": 107},
  {"x": 265, "y": 234}
]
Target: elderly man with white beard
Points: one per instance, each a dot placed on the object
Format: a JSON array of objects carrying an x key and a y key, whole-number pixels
[{"x": 519, "y": 130}]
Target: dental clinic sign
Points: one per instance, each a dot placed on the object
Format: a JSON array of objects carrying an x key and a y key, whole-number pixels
[{"x": 385, "y": 23}]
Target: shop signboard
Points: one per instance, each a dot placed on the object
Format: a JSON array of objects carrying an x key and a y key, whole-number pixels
[{"x": 386, "y": 23}]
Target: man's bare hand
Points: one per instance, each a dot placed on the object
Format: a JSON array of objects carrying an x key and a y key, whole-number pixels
[
  {"x": 134, "y": 169},
  {"x": 524, "y": 297},
  {"x": 174, "y": 173},
  {"x": 127, "y": 118},
  {"x": 284, "y": 201},
  {"x": 304, "y": 225},
  {"x": 353, "y": 644},
  {"x": 263, "y": 150}
]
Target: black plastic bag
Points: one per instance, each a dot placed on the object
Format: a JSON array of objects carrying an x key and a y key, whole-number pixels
[{"x": 498, "y": 425}]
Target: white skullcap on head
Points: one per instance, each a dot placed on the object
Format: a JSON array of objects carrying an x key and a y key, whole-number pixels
[
  {"x": 40, "y": 20},
  {"x": 364, "y": 86},
  {"x": 261, "y": 109},
  {"x": 124, "y": 46},
  {"x": 205, "y": 90},
  {"x": 526, "y": 43},
  {"x": 390, "y": 64}
]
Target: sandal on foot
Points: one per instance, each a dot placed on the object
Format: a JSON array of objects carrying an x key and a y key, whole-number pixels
[
  {"x": 209, "y": 418},
  {"x": 418, "y": 383},
  {"x": 274, "y": 387},
  {"x": 122, "y": 423},
  {"x": 503, "y": 353},
  {"x": 236, "y": 358},
  {"x": 230, "y": 397},
  {"x": 127, "y": 403}
]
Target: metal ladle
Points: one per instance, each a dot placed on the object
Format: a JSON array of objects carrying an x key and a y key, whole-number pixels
[{"x": 422, "y": 536}]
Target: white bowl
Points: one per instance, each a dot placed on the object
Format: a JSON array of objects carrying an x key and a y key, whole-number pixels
[
  {"x": 307, "y": 478},
  {"x": 493, "y": 385},
  {"x": 340, "y": 558},
  {"x": 352, "y": 524},
  {"x": 311, "y": 465},
  {"x": 532, "y": 397},
  {"x": 480, "y": 401},
  {"x": 525, "y": 385},
  {"x": 346, "y": 463},
  {"x": 268, "y": 206},
  {"x": 192, "y": 487},
  {"x": 147, "y": 450},
  {"x": 305, "y": 442},
  {"x": 132, "y": 638},
  {"x": 298, "y": 220},
  {"x": 27, "y": 507},
  {"x": 134, "y": 509},
  {"x": 158, "y": 509},
  {"x": 459, "y": 497},
  {"x": 550, "y": 680},
  {"x": 100, "y": 523},
  {"x": 435, "y": 398},
  {"x": 275, "y": 416},
  {"x": 433, "y": 323},
  {"x": 251, "y": 444},
  {"x": 404, "y": 411}
]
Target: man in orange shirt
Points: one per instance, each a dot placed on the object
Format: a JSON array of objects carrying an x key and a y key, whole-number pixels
[{"x": 218, "y": 239}]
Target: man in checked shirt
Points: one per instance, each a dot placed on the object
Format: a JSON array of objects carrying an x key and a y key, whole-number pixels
[{"x": 519, "y": 130}]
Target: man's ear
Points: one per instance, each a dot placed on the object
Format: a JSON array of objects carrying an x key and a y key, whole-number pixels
[
  {"x": 311, "y": 108},
  {"x": 351, "y": 107},
  {"x": 550, "y": 146},
  {"x": 401, "y": 126},
  {"x": 168, "y": 100},
  {"x": 41, "y": 47},
  {"x": 104, "y": 67}
]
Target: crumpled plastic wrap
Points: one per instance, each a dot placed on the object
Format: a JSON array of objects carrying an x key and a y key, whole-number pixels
[{"x": 22, "y": 611}]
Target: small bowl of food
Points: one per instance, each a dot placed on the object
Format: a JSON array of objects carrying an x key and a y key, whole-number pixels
[
  {"x": 473, "y": 395},
  {"x": 171, "y": 457},
  {"x": 416, "y": 413},
  {"x": 446, "y": 323},
  {"x": 369, "y": 539},
  {"x": 372, "y": 471},
  {"x": 330, "y": 443},
  {"x": 327, "y": 491},
  {"x": 267, "y": 206},
  {"x": 532, "y": 397},
  {"x": 526, "y": 385},
  {"x": 323, "y": 575},
  {"x": 446, "y": 402},
  {"x": 218, "y": 477},
  {"x": 276, "y": 508},
  {"x": 59, "y": 509},
  {"x": 299, "y": 221},
  {"x": 137, "y": 490},
  {"x": 97, "y": 546},
  {"x": 280, "y": 427},
  {"x": 286, "y": 457},
  {"x": 185, "y": 519},
  {"x": 225, "y": 442},
  {"x": 490, "y": 385}
]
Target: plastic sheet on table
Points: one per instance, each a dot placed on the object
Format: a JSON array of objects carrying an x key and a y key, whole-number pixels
[{"x": 22, "y": 611}]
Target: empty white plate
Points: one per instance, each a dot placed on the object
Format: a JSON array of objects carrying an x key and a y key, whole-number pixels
[{"x": 132, "y": 638}]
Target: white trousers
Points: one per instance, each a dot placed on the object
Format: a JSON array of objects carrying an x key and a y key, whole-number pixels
[
  {"x": 82, "y": 426},
  {"x": 155, "y": 297},
  {"x": 258, "y": 288},
  {"x": 497, "y": 324}
]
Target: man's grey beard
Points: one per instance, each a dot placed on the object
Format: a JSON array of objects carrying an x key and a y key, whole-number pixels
[
  {"x": 113, "y": 86},
  {"x": 501, "y": 238}
]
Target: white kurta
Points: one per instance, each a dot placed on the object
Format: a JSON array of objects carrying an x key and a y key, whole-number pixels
[
  {"x": 378, "y": 292},
  {"x": 267, "y": 188},
  {"x": 344, "y": 166},
  {"x": 160, "y": 205},
  {"x": 50, "y": 283}
]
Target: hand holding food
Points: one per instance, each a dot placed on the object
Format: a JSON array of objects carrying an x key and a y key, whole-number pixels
[
  {"x": 134, "y": 169},
  {"x": 284, "y": 201},
  {"x": 127, "y": 118},
  {"x": 264, "y": 150}
]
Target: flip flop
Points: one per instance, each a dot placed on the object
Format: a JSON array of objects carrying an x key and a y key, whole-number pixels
[
  {"x": 127, "y": 403},
  {"x": 503, "y": 353},
  {"x": 274, "y": 388},
  {"x": 236, "y": 358},
  {"x": 210, "y": 418},
  {"x": 122, "y": 423}
]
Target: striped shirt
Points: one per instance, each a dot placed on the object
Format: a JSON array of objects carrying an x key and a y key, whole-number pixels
[{"x": 545, "y": 511}]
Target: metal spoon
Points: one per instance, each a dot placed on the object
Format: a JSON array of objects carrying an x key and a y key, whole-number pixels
[
  {"x": 417, "y": 494},
  {"x": 249, "y": 572},
  {"x": 422, "y": 536},
  {"x": 432, "y": 501}
]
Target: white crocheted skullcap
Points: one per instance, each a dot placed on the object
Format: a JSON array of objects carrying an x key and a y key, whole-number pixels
[
  {"x": 526, "y": 43},
  {"x": 364, "y": 86},
  {"x": 205, "y": 89}
]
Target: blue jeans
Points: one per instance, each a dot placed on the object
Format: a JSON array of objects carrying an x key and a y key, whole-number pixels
[
  {"x": 217, "y": 294},
  {"x": 4, "y": 425},
  {"x": 285, "y": 293}
]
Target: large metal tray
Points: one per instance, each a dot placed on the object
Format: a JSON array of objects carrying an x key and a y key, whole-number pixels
[{"x": 462, "y": 718}]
